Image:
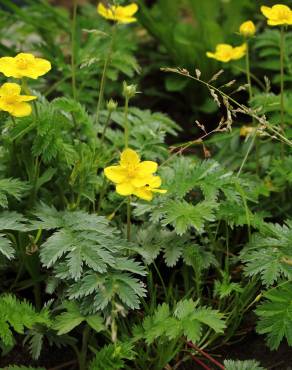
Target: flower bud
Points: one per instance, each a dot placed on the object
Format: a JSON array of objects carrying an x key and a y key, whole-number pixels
[
  {"x": 247, "y": 29},
  {"x": 112, "y": 105},
  {"x": 129, "y": 90}
]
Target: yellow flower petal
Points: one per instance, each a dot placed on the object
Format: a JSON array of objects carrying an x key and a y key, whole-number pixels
[
  {"x": 210, "y": 55},
  {"x": 155, "y": 182},
  {"x": 121, "y": 14},
  {"x": 130, "y": 10},
  {"x": 161, "y": 191},
  {"x": 12, "y": 102},
  {"x": 116, "y": 174},
  {"x": 104, "y": 12},
  {"x": 137, "y": 182},
  {"x": 147, "y": 167},
  {"x": 42, "y": 66},
  {"x": 24, "y": 65},
  {"x": 21, "y": 110},
  {"x": 278, "y": 14},
  {"x": 125, "y": 189},
  {"x": 127, "y": 20},
  {"x": 267, "y": 11},
  {"x": 272, "y": 22},
  {"x": 280, "y": 9},
  {"x": 27, "y": 97},
  {"x": 223, "y": 53},
  {"x": 7, "y": 67},
  {"x": 143, "y": 193},
  {"x": 239, "y": 52},
  {"x": 10, "y": 88},
  {"x": 129, "y": 158}
]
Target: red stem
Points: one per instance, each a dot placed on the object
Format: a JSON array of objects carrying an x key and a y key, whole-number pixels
[
  {"x": 200, "y": 363},
  {"x": 192, "y": 345}
]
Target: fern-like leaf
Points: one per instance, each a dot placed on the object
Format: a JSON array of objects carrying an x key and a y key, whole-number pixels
[
  {"x": 113, "y": 357},
  {"x": 275, "y": 316},
  {"x": 242, "y": 365}
]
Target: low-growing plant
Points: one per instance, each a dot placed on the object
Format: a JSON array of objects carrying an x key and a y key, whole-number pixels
[{"x": 128, "y": 252}]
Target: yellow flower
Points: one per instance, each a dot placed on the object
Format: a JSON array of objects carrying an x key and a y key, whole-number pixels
[
  {"x": 277, "y": 15},
  {"x": 146, "y": 192},
  {"x": 247, "y": 29},
  {"x": 12, "y": 102},
  {"x": 131, "y": 176},
  {"x": 121, "y": 14},
  {"x": 24, "y": 65},
  {"x": 225, "y": 53}
]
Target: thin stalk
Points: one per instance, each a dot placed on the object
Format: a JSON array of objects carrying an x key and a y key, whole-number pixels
[
  {"x": 247, "y": 66},
  {"x": 107, "y": 122},
  {"x": 243, "y": 197},
  {"x": 13, "y": 120},
  {"x": 73, "y": 54},
  {"x": 129, "y": 219},
  {"x": 110, "y": 217},
  {"x": 56, "y": 84},
  {"x": 250, "y": 92},
  {"x": 83, "y": 353},
  {"x": 103, "y": 76},
  {"x": 126, "y": 124},
  {"x": 282, "y": 51},
  {"x": 101, "y": 194},
  {"x": 206, "y": 355},
  {"x": 253, "y": 77},
  {"x": 161, "y": 280},
  {"x": 235, "y": 102},
  {"x": 253, "y": 139},
  {"x": 198, "y": 274},
  {"x": 33, "y": 195}
]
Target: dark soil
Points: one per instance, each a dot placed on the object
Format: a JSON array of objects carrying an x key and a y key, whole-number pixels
[
  {"x": 52, "y": 358},
  {"x": 252, "y": 347}
]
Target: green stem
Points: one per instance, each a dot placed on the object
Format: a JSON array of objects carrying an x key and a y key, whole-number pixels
[
  {"x": 83, "y": 353},
  {"x": 126, "y": 125},
  {"x": 129, "y": 219},
  {"x": 35, "y": 180},
  {"x": 73, "y": 54},
  {"x": 116, "y": 209},
  {"x": 253, "y": 77},
  {"x": 253, "y": 139},
  {"x": 248, "y": 75},
  {"x": 101, "y": 194},
  {"x": 103, "y": 76},
  {"x": 56, "y": 84},
  {"x": 161, "y": 280},
  {"x": 107, "y": 122},
  {"x": 282, "y": 50},
  {"x": 243, "y": 197},
  {"x": 13, "y": 120}
]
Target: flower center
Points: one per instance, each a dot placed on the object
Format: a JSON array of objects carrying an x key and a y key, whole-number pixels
[
  {"x": 119, "y": 13},
  {"x": 131, "y": 172},
  {"x": 11, "y": 99},
  {"x": 283, "y": 14},
  {"x": 22, "y": 63},
  {"x": 226, "y": 54}
]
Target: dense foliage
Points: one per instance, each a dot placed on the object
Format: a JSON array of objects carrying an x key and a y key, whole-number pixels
[{"x": 123, "y": 244}]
